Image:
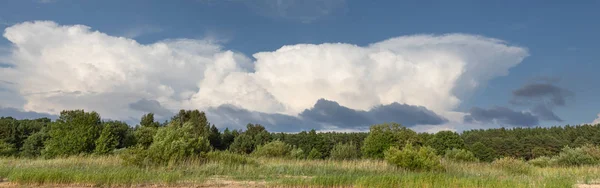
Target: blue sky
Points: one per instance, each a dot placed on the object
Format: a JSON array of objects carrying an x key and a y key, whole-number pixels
[{"x": 559, "y": 36}]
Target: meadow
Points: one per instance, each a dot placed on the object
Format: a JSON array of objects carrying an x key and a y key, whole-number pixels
[{"x": 233, "y": 170}]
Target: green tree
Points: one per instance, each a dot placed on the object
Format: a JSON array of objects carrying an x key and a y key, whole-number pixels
[
  {"x": 482, "y": 152},
  {"x": 243, "y": 143},
  {"x": 383, "y": 136},
  {"x": 314, "y": 154},
  {"x": 74, "y": 132},
  {"x": 147, "y": 120},
  {"x": 108, "y": 140},
  {"x": 446, "y": 140},
  {"x": 226, "y": 139},
  {"x": 7, "y": 149},
  {"x": 215, "y": 137},
  {"x": 144, "y": 136},
  {"x": 34, "y": 144}
]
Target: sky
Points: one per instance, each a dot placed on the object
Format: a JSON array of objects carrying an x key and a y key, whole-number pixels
[{"x": 330, "y": 65}]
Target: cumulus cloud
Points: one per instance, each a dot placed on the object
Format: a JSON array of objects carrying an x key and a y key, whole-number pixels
[
  {"x": 501, "y": 115},
  {"x": 71, "y": 67},
  {"x": 596, "y": 121},
  {"x": 235, "y": 117}
]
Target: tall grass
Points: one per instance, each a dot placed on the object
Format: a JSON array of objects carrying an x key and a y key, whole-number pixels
[{"x": 110, "y": 171}]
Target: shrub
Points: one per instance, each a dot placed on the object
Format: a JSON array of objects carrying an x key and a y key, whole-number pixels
[
  {"x": 273, "y": 149},
  {"x": 410, "y": 158},
  {"x": 512, "y": 165},
  {"x": 344, "y": 152},
  {"x": 297, "y": 153},
  {"x": 144, "y": 136},
  {"x": 383, "y": 136},
  {"x": 573, "y": 157},
  {"x": 7, "y": 149},
  {"x": 460, "y": 155},
  {"x": 592, "y": 150},
  {"x": 314, "y": 154},
  {"x": 542, "y": 161},
  {"x": 170, "y": 145},
  {"x": 228, "y": 158}
]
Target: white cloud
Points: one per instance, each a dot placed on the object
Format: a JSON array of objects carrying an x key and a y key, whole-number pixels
[
  {"x": 64, "y": 67},
  {"x": 596, "y": 121}
]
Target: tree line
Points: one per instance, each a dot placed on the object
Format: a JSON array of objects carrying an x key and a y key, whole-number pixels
[{"x": 189, "y": 133}]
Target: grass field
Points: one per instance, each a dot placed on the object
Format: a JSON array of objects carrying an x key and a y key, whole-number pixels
[{"x": 263, "y": 172}]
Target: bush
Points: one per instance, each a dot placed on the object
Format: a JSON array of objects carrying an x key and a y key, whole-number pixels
[
  {"x": 482, "y": 152},
  {"x": 410, "y": 158},
  {"x": 7, "y": 149},
  {"x": 573, "y": 157},
  {"x": 314, "y": 154},
  {"x": 297, "y": 153},
  {"x": 228, "y": 158},
  {"x": 512, "y": 165},
  {"x": 460, "y": 155},
  {"x": 383, "y": 136},
  {"x": 542, "y": 161},
  {"x": 273, "y": 149},
  {"x": 144, "y": 135},
  {"x": 170, "y": 145},
  {"x": 344, "y": 152},
  {"x": 592, "y": 150}
]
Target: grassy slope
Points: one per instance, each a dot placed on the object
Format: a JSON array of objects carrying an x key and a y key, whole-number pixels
[{"x": 361, "y": 173}]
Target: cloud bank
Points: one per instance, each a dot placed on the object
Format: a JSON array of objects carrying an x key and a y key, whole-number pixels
[{"x": 60, "y": 67}]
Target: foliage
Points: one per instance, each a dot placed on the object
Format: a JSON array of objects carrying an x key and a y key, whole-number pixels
[
  {"x": 446, "y": 140},
  {"x": 314, "y": 154},
  {"x": 73, "y": 133},
  {"x": 512, "y": 165},
  {"x": 383, "y": 136},
  {"x": 246, "y": 142},
  {"x": 483, "y": 152},
  {"x": 297, "y": 153},
  {"x": 171, "y": 145},
  {"x": 214, "y": 137},
  {"x": 34, "y": 144},
  {"x": 344, "y": 152},
  {"x": 542, "y": 161},
  {"x": 573, "y": 157},
  {"x": 144, "y": 136},
  {"x": 147, "y": 120},
  {"x": 410, "y": 158},
  {"x": 226, "y": 139},
  {"x": 460, "y": 155},
  {"x": 7, "y": 149},
  {"x": 273, "y": 149},
  {"x": 108, "y": 140}
]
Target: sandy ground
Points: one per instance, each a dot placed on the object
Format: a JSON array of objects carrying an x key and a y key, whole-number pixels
[{"x": 215, "y": 182}]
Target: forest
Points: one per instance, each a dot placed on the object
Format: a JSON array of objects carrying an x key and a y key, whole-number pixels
[{"x": 189, "y": 138}]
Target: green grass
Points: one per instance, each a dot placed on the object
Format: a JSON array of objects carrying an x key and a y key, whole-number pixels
[{"x": 110, "y": 171}]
